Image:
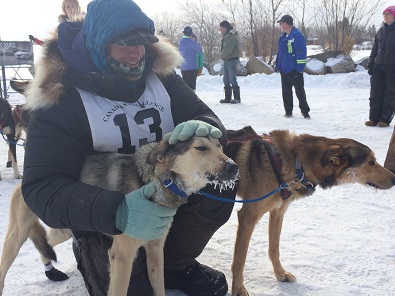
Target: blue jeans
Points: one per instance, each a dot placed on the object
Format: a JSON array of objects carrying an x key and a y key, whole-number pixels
[{"x": 230, "y": 72}]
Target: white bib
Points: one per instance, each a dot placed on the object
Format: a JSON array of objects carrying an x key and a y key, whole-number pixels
[{"x": 124, "y": 127}]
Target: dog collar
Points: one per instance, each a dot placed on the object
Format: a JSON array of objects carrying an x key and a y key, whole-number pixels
[
  {"x": 300, "y": 175},
  {"x": 169, "y": 184}
]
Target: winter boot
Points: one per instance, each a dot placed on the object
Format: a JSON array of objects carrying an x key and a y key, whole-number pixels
[
  {"x": 236, "y": 95},
  {"x": 228, "y": 95},
  {"x": 197, "y": 280},
  {"x": 371, "y": 123}
]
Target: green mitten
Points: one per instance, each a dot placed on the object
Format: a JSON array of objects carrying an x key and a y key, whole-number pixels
[
  {"x": 141, "y": 218},
  {"x": 185, "y": 130}
]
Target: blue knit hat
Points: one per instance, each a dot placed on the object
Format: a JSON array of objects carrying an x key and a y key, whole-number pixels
[{"x": 111, "y": 20}]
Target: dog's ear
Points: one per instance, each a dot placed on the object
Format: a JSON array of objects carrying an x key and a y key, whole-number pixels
[
  {"x": 358, "y": 153},
  {"x": 157, "y": 154},
  {"x": 19, "y": 86},
  {"x": 334, "y": 155}
]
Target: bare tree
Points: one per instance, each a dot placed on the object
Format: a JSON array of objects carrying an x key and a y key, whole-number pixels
[
  {"x": 169, "y": 25},
  {"x": 252, "y": 22},
  {"x": 252, "y": 17},
  {"x": 337, "y": 24},
  {"x": 299, "y": 7},
  {"x": 231, "y": 7},
  {"x": 342, "y": 18},
  {"x": 274, "y": 10}
]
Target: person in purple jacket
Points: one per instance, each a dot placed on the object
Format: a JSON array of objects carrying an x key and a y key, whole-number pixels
[
  {"x": 290, "y": 62},
  {"x": 192, "y": 53}
]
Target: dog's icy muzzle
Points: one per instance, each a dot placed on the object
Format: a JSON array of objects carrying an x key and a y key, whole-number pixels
[{"x": 227, "y": 177}]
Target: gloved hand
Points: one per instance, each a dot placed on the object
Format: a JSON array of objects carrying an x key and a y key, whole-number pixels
[
  {"x": 186, "y": 130},
  {"x": 141, "y": 218},
  {"x": 370, "y": 71},
  {"x": 32, "y": 38},
  {"x": 199, "y": 71}
]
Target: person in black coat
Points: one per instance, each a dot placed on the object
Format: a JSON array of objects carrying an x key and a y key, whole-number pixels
[
  {"x": 381, "y": 67},
  {"x": 108, "y": 85}
]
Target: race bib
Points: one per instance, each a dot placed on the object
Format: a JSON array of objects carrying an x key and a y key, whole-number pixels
[{"x": 124, "y": 127}]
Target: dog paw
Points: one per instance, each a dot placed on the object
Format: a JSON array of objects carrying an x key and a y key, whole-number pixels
[
  {"x": 18, "y": 176},
  {"x": 286, "y": 277},
  {"x": 242, "y": 291}
]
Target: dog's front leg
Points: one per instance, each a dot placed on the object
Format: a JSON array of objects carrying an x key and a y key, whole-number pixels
[
  {"x": 155, "y": 264},
  {"x": 248, "y": 218},
  {"x": 121, "y": 257},
  {"x": 12, "y": 156},
  {"x": 275, "y": 225}
]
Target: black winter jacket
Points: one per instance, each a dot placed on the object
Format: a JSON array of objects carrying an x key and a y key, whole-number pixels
[
  {"x": 60, "y": 136},
  {"x": 383, "y": 51}
]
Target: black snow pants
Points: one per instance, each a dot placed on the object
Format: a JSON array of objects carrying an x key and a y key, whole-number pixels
[
  {"x": 296, "y": 80},
  {"x": 382, "y": 94}
]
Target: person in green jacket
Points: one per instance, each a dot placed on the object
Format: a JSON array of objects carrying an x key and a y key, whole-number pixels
[{"x": 230, "y": 53}]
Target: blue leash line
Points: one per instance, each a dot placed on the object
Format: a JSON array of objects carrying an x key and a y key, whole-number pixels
[
  {"x": 169, "y": 184},
  {"x": 281, "y": 187},
  {"x": 16, "y": 143}
]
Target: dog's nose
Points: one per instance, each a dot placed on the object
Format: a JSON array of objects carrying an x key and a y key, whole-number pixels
[{"x": 232, "y": 168}]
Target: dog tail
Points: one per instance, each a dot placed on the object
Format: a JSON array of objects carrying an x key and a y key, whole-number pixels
[{"x": 38, "y": 236}]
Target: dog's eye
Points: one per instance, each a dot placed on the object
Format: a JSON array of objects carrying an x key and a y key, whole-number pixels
[
  {"x": 201, "y": 148},
  {"x": 371, "y": 162}
]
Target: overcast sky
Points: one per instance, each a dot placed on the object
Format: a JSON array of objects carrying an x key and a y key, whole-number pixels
[{"x": 19, "y": 18}]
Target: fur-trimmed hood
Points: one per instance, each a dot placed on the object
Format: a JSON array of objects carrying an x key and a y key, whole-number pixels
[
  {"x": 52, "y": 73},
  {"x": 62, "y": 18}
]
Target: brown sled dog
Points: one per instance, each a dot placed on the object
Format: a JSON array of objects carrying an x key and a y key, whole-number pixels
[
  {"x": 191, "y": 165},
  {"x": 324, "y": 162}
]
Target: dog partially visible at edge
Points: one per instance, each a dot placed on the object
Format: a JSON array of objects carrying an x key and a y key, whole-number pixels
[
  {"x": 7, "y": 126},
  {"x": 191, "y": 165},
  {"x": 13, "y": 123},
  {"x": 303, "y": 162},
  {"x": 20, "y": 114}
]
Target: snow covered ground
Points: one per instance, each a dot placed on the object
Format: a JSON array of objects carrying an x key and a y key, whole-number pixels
[{"x": 339, "y": 241}]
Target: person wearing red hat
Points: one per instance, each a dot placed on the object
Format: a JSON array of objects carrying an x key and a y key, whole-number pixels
[{"x": 381, "y": 67}]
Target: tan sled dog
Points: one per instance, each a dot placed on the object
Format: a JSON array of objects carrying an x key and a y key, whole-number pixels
[
  {"x": 20, "y": 114},
  {"x": 303, "y": 162},
  {"x": 191, "y": 165}
]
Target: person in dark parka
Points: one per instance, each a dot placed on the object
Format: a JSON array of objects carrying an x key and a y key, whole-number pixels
[
  {"x": 381, "y": 67},
  {"x": 108, "y": 85}
]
